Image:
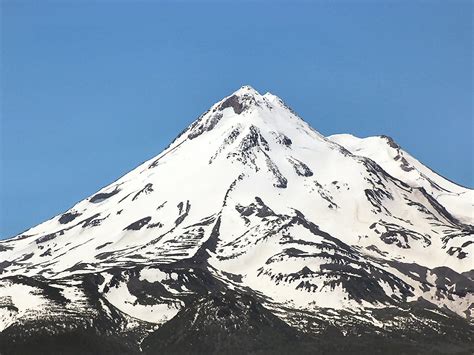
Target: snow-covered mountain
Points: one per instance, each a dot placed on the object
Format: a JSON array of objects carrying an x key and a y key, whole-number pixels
[{"x": 250, "y": 224}]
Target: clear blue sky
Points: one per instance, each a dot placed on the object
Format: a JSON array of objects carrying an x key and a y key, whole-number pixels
[{"x": 91, "y": 89}]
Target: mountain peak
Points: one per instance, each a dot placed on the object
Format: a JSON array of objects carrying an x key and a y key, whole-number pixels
[
  {"x": 242, "y": 99},
  {"x": 249, "y": 91},
  {"x": 246, "y": 90}
]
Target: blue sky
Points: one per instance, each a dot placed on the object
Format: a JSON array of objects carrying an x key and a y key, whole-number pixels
[{"x": 92, "y": 88}]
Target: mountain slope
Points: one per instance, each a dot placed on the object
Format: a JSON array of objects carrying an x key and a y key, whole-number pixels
[
  {"x": 251, "y": 201},
  {"x": 458, "y": 200}
]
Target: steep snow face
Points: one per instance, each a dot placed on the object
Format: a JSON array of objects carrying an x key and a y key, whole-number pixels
[{"x": 252, "y": 192}]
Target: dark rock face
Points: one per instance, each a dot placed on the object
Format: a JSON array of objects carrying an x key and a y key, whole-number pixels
[
  {"x": 183, "y": 212},
  {"x": 205, "y": 126},
  {"x": 402, "y": 237},
  {"x": 231, "y": 138},
  {"x": 103, "y": 196},
  {"x": 390, "y": 142},
  {"x": 300, "y": 168},
  {"x": 137, "y": 225},
  {"x": 258, "y": 209},
  {"x": 103, "y": 245},
  {"x": 280, "y": 180},
  {"x": 282, "y": 139},
  {"x": 68, "y": 217},
  {"x": 147, "y": 189},
  {"x": 94, "y": 221},
  {"x": 46, "y": 238},
  {"x": 235, "y": 103},
  {"x": 253, "y": 145},
  {"x": 252, "y": 140}
]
